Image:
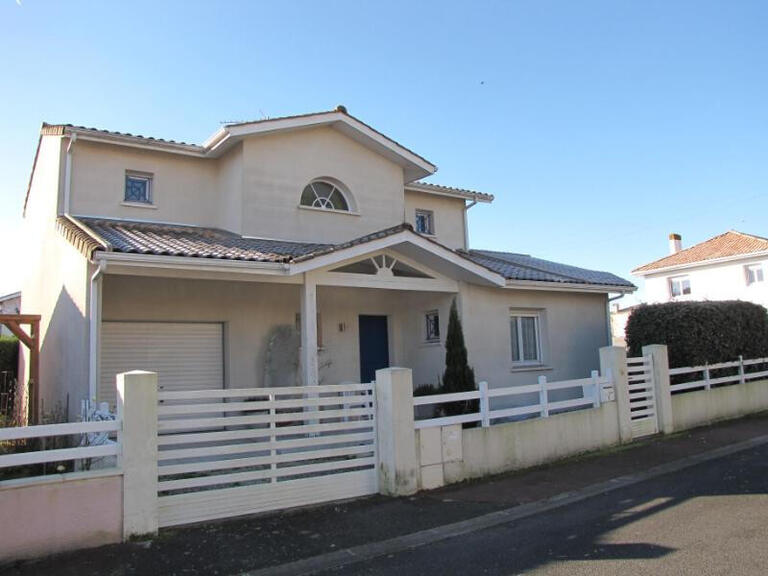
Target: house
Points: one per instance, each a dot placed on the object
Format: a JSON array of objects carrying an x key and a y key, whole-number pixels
[
  {"x": 619, "y": 318},
  {"x": 9, "y": 304},
  {"x": 295, "y": 250},
  {"x": 731, "y": 266}
]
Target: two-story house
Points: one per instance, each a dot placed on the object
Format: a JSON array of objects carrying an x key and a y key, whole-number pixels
[
  {"x": 731, "y": 266},
  {"x": 284, "y": 251}
]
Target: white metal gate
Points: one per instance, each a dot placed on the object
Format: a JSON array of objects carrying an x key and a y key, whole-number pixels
[
  {"x": 224, "y": 453},
  {"x": 642, "y": 397}
]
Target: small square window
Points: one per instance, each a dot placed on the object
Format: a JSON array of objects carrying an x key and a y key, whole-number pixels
[
  {"x": 138, "y": 188},
  {"x": 432, "y": 326},
  {"x": 754, "y": 273},
  {"x": 425, "y": 222},
  {"x": 680, "y": 286}
]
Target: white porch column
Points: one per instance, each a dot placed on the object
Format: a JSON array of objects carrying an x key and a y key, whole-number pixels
[{"x": 309, "y": 331}]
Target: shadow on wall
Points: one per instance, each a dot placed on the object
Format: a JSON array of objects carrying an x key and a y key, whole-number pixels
[{"x": 64, "y": 359}]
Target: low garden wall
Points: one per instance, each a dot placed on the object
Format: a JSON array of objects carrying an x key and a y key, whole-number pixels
[
  {"x": 451, "y": 454},
  {"x": 691, "y": 409},
  {"x": 59, "y": 513}
]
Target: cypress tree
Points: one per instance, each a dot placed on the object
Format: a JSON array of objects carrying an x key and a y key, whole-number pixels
[{"x": 458, "y": 375}]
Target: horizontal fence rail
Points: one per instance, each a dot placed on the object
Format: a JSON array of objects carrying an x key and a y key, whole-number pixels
[
  {"x": 712, "y": 375},
  {"x": 589, "y": 389},
  {"x": 42, "y": 456},
  {"x": 263, "y": 448}
]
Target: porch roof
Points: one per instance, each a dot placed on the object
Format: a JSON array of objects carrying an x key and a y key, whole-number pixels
[{"x": 92, "y": 235}]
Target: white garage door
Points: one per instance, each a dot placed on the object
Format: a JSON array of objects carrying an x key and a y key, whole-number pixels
[{"x": 186, "y": 356}]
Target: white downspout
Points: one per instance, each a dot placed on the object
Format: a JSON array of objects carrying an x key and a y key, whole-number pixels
[
  {"x": 466, "y": 224},
  {"x": 94, "y": 326},
  {"x": 68, "y": 174}
]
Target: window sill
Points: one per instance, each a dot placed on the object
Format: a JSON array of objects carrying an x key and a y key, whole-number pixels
[
  {"x": 138, "y": 205},
  {"x": 328, "y": 211},
  {"x": 530, "y": 368},
  {"x": 430, "y": 344}
]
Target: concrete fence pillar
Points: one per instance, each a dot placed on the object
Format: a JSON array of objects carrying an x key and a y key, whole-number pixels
[
  {"x": 663, "y": 393},
  {"x": 613, "y": 363},
  {"x": 137, "y": 408},
  {"x": 398, "y": 465}
]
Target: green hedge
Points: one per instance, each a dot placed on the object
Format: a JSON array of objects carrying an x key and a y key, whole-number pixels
[
  {"x": 700, "y": 332},
  {"x": 9, "y": 354}
]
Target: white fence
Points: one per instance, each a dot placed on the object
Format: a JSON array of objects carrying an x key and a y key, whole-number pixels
[
  {"x": 590, "y": 388},
  {"x": 706, "y": 381},
  {"x": 61, "y": 454},
  {"x": 643, "y": 411},
  {"x": 227, "y": 452}
]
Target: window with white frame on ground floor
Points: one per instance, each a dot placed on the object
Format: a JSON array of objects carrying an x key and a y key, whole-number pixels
[
  {"x": 138, "y": 188},
  {"x": 679, "y": 286},
  {"x": 425, "y": 222},
  {"x": 754, "y": 274},
  {"x": 526, "y": 338},
  {"x": 432, "y": 326}
]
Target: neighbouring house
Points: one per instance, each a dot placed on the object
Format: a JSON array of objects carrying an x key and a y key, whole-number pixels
[
  {"x": 295, "y": 250},
  {"x": 731, "y": 266},
  {"x": 9, "y": 304},
  {"x": 619, "y": 318}
]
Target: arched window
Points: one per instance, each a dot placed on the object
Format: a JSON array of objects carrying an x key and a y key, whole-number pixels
[{"x": 324, "y": 194}]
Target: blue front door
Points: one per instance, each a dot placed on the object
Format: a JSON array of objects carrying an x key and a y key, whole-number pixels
[{"x": 374, "y": 346}]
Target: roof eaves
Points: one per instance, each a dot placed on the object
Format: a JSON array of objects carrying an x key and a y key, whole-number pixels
[{"x": 429, "y": 188}]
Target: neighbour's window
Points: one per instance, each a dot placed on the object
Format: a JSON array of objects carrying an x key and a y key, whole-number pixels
[
  {"x": 325, "y": 195},
  {"x": 432, "y": 326},
  {"x": 526, "y": 347},
  {"x": 425, "y": 222},
  {"x": 754, "y": 273},
  {"x": 679, "y": 286},
  {"x": 138, "y": 188}
]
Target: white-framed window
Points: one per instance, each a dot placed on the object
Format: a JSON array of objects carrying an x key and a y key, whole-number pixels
[
  {"x": 754, "y": 273},
  {"x": 138, "y": 188},
  {"x": 526, "y": 337},
  {"x": 432, "y": 326},
  {"x": 679, "y": 286},
  {"x": 425, "y": 222},
  {"x": 326, "y": 195}
]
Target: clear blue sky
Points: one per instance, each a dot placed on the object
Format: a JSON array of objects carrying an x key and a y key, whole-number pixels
[{"x": 600, "y": 126}]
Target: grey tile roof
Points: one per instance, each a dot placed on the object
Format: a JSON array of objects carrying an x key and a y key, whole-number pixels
[
  {"x": 161, "y": 239},
  {"x": 524, "y": 267},
  {"x": 179, "y": 240},
  {"x": 192, "y": 241}
]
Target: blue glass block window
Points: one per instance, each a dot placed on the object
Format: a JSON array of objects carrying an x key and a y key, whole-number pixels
[{"x": 138, "y": 188}]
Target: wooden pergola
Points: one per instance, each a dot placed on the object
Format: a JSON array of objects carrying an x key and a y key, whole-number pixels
[{"x": 32, "y": 342}]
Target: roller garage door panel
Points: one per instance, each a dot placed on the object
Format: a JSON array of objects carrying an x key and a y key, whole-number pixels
[{"x": 186, "y": 356}]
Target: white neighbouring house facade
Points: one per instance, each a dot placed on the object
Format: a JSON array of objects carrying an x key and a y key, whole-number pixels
[
  {"x": 731, "y": 266},
  {"x": 297, "y": 250}
]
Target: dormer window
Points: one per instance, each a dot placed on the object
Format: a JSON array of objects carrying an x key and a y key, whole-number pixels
[
  {"x": 425, "y": 222},
  {"x": 138, "y": 188},
  {"x": 325, "y": 195}
]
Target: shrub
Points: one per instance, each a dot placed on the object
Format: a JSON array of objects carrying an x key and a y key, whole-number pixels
[
  {"x": 458, "y": 375},
  {"x": 9, "y": 354},
  {"x": 700, "y": 332}
]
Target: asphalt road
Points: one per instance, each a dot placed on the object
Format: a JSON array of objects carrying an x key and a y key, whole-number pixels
[{"x": 709, "y": 519}]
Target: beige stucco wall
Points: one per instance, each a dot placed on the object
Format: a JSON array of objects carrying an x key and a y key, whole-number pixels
[
  {"x": 184, "y": 189},
  {"x": 250, "y": 310},
  {"x": 55, "y": 287},
  {"x": 56, "y": 515},
  {"x": 724, "y": 281},
  {"x": 691, "y": 409},
  {"x": 573, "y": 326},
  {"x": 512, "y": 446},
  {"x": 277, "y": 167},
  {"x": 448, "y": 216}
]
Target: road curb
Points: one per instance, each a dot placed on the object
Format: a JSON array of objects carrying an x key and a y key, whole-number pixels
[{"x": 373, "y": 550}]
